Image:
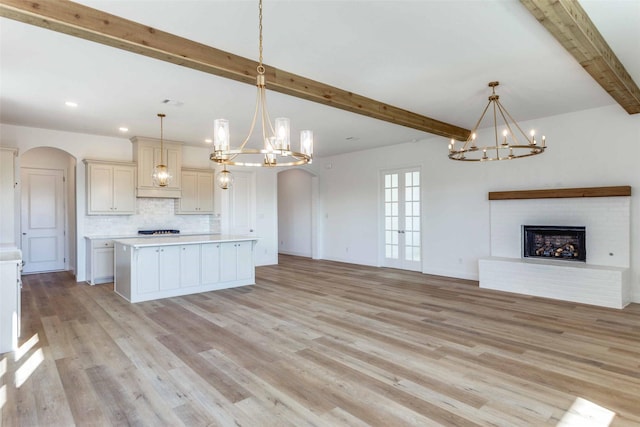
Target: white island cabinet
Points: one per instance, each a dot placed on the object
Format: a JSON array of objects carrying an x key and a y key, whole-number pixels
[{"x": 148, "y": 269}]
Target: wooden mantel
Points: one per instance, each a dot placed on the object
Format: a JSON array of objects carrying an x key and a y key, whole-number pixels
[{"x": 562, "y": 193}]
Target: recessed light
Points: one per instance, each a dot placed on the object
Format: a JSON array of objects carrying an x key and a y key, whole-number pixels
[
  {"x": 208, "y": 140},
  {"x": 123, "y": 129},
  {"x": 352, "y": 138},
  {"x": 71, "y": 104}
]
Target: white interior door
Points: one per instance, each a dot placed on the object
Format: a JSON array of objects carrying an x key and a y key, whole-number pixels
[
  {"x": 43, "y": 219},
  {"x": 242, "y": 204},
  {"x": 402, "y": 219}
]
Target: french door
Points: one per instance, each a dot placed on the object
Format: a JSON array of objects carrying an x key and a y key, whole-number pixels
[{"x": 402, "y": 208}]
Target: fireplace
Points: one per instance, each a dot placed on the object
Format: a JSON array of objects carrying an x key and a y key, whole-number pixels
[{"x": 554, "y": 242}]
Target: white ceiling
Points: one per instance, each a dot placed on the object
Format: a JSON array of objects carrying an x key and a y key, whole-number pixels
[{"x": 431, "y": 57}]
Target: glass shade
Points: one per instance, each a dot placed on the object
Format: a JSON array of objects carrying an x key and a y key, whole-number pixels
[
  {"x": 161, "y": 176},
  {"x": 269, "y": 146},
  {"x": 221, "y": 135},
  {"x": 224, "y": 179},
  {"x": 283, "y": 134},
  {"x": 306, "y": 142}
]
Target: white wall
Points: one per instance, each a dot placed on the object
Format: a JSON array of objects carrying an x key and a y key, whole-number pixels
[
  {"x": 591, "y": 148},
  {"x": 294, "y": 212}
]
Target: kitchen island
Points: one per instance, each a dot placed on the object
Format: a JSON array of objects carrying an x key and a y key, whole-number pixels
[{"x": 162, "y": 267}]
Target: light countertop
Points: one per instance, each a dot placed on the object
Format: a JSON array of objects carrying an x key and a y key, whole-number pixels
[
  {"x": 140, "y": 242},
  {"x": 10, "y": 253},
  {"x": 140, "y": 236}
]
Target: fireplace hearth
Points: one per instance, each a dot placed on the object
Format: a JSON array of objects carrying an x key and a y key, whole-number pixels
[{"x": 554, "y": 242}]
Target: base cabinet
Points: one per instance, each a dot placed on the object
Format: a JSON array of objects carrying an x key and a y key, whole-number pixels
[
  {"x": 233, "y": 265},
  {"x": 210, "y": 261},
  {"x": 189, "y": 265},
  {"x": 10, "y": 284},
  {"x": 154, "y": 272},
  {"x": 99, "y": 261},
  {"x": 159, "y": 269}
]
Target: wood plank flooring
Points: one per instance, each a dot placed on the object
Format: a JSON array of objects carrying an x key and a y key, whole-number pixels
[{"x": 319, "y": 343}]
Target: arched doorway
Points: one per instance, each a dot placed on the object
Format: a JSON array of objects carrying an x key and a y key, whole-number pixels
[
  {"x": 297, "y": 196},
  {"x": 48, "y": 210}
]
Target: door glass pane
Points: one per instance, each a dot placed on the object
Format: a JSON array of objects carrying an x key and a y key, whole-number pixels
[{"x": 391, "y": 215}]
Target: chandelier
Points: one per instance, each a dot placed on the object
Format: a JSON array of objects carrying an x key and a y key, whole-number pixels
[
  {"x": 276, "y": 149},
  {"x": 506, "y": 148},
  {"x": 161, "y": 175}
]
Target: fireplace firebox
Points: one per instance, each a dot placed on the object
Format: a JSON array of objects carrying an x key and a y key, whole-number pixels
[{"x": 554, "y": 242}]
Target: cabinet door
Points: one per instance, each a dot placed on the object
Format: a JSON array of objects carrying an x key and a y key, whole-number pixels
[
  {"x": 146, "y": 163},
  {"x": 124, "y": 190},
  {"x": 205, "y": 192},
  {"x": 189, "y": 265},
  {"x": 173, "y": 157},
  {"x": 210, "y": 262},
  {"x": 102, "y": 265},
  {"x": 189, "y": 200},
  {"x": 169, "y": 267},
  {"x": 244, "y": 257},
  {"x": 228, "y": 261},
  {"x": 147, "y": 277},
  {"x": 100, "y": 191}
]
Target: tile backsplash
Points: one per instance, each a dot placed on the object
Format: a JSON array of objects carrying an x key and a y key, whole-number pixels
[{"x": 151, "y": 213}]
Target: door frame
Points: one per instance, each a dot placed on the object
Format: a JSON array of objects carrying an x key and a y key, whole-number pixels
[
  {"x": 65, "y": 216},
  {"x": 381, "y": 213}
]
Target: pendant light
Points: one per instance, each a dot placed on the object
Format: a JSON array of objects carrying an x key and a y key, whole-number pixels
[
  {"x": 276, "y": 149},
  {"x": 161, "y": 174}
]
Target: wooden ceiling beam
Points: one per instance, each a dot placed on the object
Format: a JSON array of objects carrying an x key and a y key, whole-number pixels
[
  {"x": 100, "y": 27},
  {"x": 567, "y": 21}
]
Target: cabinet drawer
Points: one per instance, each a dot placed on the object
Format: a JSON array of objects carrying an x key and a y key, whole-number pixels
[{"x": 101, "y": 243}]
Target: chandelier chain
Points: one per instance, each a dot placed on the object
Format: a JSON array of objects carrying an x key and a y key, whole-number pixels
[{"x": 260, "y": 66}]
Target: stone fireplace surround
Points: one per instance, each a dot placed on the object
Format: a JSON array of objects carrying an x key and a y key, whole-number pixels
[{"x": 603, "y": 280}]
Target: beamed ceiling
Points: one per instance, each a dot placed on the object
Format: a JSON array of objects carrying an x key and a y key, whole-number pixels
[{"x": 395, "y": 71}]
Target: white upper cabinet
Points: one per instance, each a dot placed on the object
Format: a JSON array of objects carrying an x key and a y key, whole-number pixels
[
  {"x": 110, "y": 188},
  {"x": 146, "y": 153},
  {"x": 197, "y": 192}
]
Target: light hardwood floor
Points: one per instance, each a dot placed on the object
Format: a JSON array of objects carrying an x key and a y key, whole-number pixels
[{"x": 318, "y": 343}]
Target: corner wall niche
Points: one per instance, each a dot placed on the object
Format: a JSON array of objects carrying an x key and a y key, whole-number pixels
[{"x": 605, "y": 214}]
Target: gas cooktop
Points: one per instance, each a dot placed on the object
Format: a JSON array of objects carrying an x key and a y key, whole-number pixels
[{"x": 158, "y": 232}]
